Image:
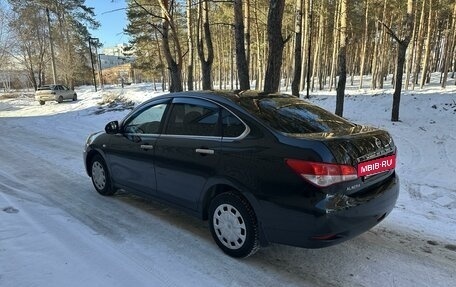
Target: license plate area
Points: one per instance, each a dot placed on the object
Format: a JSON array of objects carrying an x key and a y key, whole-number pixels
[{"x": 375, "y": 166}]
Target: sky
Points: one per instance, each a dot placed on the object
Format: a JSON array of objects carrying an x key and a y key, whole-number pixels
[{"x": 113, "y": 19}]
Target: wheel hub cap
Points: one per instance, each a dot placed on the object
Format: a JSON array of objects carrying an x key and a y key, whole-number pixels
[
  {"x": 229, "y": 226},
  {"x": 98, "y": 175}
]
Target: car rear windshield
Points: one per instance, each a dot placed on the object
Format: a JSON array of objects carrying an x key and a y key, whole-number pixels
[{"x": 292, "y": 115}]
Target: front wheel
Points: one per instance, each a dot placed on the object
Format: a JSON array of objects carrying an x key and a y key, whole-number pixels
[
  {"x": 42, "y": 102},
  {"x": 233, "y": 225},
  {"x": 100, "y": 176}
]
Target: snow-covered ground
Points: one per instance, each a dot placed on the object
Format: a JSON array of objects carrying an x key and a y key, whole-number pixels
[{"x": 56, "y": 231}]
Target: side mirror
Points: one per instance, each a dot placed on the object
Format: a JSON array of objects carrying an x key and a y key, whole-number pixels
[{"x": 112, "y": 128}]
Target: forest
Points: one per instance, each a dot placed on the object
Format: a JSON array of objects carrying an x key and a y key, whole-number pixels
[
  {"x": 298, "y": 46},
  {"x": 219, "y": 44}
]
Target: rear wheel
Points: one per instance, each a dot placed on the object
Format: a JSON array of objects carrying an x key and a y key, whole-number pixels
[
  {"x": 233, "y": 225},
  {"x": 75, "y": 97},
  {"x": 60, "y": 99},
  {"x": 100, "y": 176},
  {"x": 42, "y": 102}
]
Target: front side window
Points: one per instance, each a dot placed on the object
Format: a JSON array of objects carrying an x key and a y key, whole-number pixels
[
  {"x": 146, "y": 121},
  {"x": 195, "y": 118}
]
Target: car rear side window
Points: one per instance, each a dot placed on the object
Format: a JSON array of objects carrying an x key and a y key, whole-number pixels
[
  {"x": 231, "y": 125},
  {"x": 292, "y": 115},
  {"x": 198, "y": 119}
]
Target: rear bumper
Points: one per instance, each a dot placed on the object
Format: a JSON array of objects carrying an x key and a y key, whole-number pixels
[
  {"x": 333, "y": 219},
  {"x": 46, "y": 97}
]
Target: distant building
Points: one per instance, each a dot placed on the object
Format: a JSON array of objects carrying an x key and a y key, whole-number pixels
[
  {"x": 117, "y": 65},
  {"x": 120, "y": 54},
  {"x": 108, "y": 61},
  {"x": 119, "y": 50}
]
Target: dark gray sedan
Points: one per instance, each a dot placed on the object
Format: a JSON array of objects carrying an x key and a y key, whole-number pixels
[{"x": 260, "y": 167}]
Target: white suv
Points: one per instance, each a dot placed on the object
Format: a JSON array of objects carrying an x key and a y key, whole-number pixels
[{"x": 54, "y": 93}]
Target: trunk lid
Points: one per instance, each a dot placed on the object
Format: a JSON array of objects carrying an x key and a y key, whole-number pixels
[{"x": 355, "y": 145}]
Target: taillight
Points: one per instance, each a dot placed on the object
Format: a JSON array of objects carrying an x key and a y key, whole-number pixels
[{"x": 322, "y": 174}]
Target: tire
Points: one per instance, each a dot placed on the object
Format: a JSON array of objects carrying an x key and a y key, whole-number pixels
[
  {"x": 42, "y": 102},
  {"x": 60, "y": 99},
  {"x": 100, "y": 176},
  {"x": 75, "y": 97},
  {"x": 233, "y": 225}
]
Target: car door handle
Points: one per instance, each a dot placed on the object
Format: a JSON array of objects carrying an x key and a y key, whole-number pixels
[
  {"x": 147, "y": 146},
  {"x": 204, "y": 151}
]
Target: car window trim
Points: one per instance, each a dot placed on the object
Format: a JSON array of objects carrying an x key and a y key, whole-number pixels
[
  {"x": 169, "y": 101},
  {"x": 193, "y": 137},
  {"x": 187, "y": 100}
]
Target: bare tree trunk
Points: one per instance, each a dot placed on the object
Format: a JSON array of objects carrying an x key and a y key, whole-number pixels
[
  {"x": 205, "y": 39},
  {"x": 276, "y": 44},
  {"x": 451, "y": 39},
  {"x": 382, "y": 51},
  {"x": 336, "y": 44},
  {"x": 419, "y": 48},
  {"x": 353, "y": 64},
  {"x": 297, "y": 50},
  {"x": 364, "y": 48},
  {"x": 231, "y": 65},
  {"x": 342, "y": 59},
  {"x": 402, "y": 49},
  {"x": 260, "y": 69},
  {"x": 427, "y": 48},
  {"x": 321, "y": 67},
  {"x": 221, "y": 56},
  {"x": 409, "y": 63},
  {"x": 190, "y": 46},
  {"x": 162, "y": 64},
  {"x": 247, "y": 34},
  {"x": 374, "y": 57},
  {"x": 174, "y": 65},
  {"x": 239, "y": 36},
  {"x": 318, "y": 45}
]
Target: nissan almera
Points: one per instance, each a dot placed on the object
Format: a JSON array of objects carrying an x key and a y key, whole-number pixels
[{"x": 261, "y": 168}]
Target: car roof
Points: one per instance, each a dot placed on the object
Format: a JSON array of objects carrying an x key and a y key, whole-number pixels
[
  {"x": 47, "y": 86},
  {"x": 241, "y": 98}
]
